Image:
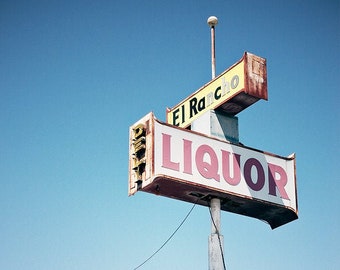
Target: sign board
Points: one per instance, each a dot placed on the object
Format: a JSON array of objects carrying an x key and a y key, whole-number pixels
[
  {"x": 182, "y": 164},
  {"x": 235, "y": 89}
]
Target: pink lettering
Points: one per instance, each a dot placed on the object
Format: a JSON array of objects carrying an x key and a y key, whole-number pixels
[
  {"x": 258, "y": 185},
  {"x": 193, "y": 159},
  {"x": 206, "y": 169},
  {"x": 273, "y": 171},
  {"x": 236, "y": 178},
  {"x": 166, "y": 160},
  {"x": 187, "y": 156}
]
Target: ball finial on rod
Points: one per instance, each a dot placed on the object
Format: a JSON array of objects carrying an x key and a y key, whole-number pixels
[{"x": 212, "y": 21}]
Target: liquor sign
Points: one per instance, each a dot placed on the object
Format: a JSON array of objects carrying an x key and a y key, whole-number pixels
[
  {"x": 235, "y": 89},
  {"x": 192, "y": 167}
]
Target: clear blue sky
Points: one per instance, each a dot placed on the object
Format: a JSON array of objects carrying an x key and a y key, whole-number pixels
[{"x": 74, "y": 75}]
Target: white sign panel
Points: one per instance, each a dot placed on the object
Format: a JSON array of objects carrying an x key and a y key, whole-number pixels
[
  {"x": 224, "y": 166},
  {"x": 186, "y": 165}
]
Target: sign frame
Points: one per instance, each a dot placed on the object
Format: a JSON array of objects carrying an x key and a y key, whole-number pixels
[{"x": 169, "y": 183}]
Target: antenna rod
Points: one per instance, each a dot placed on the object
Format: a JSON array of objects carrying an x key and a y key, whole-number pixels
[{"x": 212, "y": 22}]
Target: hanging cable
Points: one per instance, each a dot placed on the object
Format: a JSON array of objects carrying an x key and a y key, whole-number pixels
[
  {"x": 192, "y": 208},
  {"x": 218, "y": 235}
]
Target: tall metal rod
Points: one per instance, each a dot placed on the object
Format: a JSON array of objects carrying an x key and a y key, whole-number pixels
[
  {"x": 216, "y": 239},
  {"x": 213, "y": 58}
]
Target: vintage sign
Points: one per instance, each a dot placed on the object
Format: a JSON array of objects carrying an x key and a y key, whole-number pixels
[
  {"x": 189, "y": 166},
  {"x": 231, "y": 92}
]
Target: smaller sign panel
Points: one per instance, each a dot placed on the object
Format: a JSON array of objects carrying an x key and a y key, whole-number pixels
[
  {"x": 235, "y": 89},
  {"x": 141, "y": 153},
  {"x": 192, "y": 167}
]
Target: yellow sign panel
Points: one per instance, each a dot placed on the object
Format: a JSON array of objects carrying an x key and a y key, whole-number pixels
[{"x": 220, "y": 90}]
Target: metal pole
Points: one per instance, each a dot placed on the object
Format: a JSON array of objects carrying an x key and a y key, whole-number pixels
[
  {"x": 213, "y": 58},
  {"x": 216, "y": 239}
]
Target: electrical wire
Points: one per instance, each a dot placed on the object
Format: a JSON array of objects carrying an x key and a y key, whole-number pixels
[
  {"x": 218, "y": 235},
  {"x": 192, "y": 208}
]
